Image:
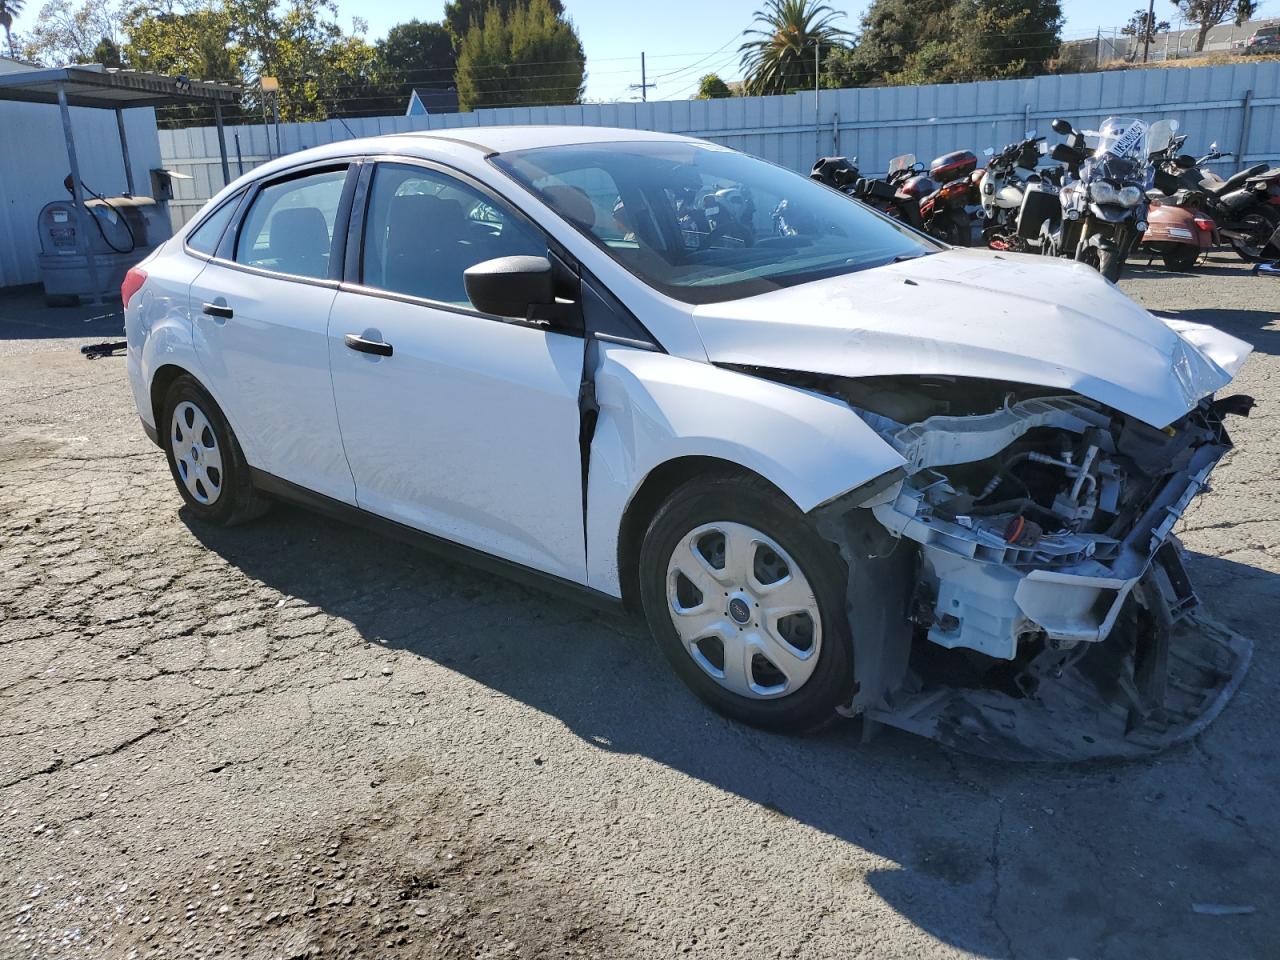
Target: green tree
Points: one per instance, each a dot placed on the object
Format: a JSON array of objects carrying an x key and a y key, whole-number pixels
[
  {"x": 711, "y": 87},
  {"x": 9, "y": 10},
  {"x": 64, "y": 34},
  {"x": 414, "y": 54},
  {"x": 461, "y": 15},
  {"x": 997, "y": 39},
  {"x": 530, "y": 56},
  {"x": 1144, "y": 26},
  {"x": 780, "y": 58},
  {"x": 108, "y": 54},
  {"x": 1207, "y": 14}
]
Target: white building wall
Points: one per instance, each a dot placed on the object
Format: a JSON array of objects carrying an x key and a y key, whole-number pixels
[{"x": 33, "y": 164}]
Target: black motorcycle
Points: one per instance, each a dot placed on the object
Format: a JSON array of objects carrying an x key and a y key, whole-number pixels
[{"x": 1245, "y": 206}]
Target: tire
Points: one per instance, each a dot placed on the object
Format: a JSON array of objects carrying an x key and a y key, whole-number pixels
[
  {"x": 1181, "y": 257},
  {"x": 760, "y": 620},
  {"x": 205, "y": 458},
  {"x": 1262, "y": 223},
  {"x": 1110, "y": 263}
]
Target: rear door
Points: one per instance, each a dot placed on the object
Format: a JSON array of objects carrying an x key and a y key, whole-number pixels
[
  {"x": 466, "y": 426},
  {"x": 261, "y": 310}
]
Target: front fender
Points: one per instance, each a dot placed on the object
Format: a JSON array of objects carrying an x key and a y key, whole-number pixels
[{"x": 655, "y": 408}]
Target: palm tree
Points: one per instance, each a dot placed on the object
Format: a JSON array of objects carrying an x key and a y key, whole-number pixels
[
  {"x": 781, "y": 57},
  {"x": 9, "y": 9}
]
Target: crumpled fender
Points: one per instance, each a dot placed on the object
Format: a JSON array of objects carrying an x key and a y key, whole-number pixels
[{"x": 655, "y": 408}]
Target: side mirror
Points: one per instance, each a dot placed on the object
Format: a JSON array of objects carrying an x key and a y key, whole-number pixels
[
  {"x": 521, "y": 287},
  {"x": 1213, "y": 147},
  {"x": 1184, "y": 162},
  {"x": 1031, "y": 134},
  {"x": 989, "y": 152},
  {"x": 1061, "y": 126}
]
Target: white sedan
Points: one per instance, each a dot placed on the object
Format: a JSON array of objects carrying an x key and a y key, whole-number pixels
[{"x": 840, "y": 467}]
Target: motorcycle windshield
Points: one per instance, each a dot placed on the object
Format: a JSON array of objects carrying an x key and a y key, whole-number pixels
[
  {"x": 1122, "y": 137},
  {"x": 903, "y": 162}
]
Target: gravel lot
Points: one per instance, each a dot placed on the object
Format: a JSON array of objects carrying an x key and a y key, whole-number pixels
[{"x": 296, "y": 739}]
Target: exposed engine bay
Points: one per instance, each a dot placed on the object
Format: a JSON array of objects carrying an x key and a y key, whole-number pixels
[{"x": 1060, "y": 623}]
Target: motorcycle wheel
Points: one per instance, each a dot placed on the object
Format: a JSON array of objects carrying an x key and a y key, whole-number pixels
[
  {"x": 1181, "y": 258},
  {"x": 1260, "y": 224},
  {"x": 1109, "y": 264}
]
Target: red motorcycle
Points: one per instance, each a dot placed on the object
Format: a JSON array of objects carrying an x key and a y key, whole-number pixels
[{"x": 943, "y": 195}]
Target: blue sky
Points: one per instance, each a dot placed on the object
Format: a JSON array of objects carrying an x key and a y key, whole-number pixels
[{"x": 683, "y": 39}]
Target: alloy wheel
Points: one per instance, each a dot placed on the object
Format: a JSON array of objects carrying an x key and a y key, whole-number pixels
[
  {"x": 195, "y": 451},
  {"x": 744, "y": 610}
]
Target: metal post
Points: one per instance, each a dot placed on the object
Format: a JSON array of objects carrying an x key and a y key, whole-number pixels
[
  {"x": 239, "y": 156},
  {"x": 266, "y": 130},
  {"x": 1247, "y": 109},
  {"x": 83, "y": 215},
  {"x": 644, "y": 81},
  {"x": 124, "y": 152},
  {"x": 222, "y": 142},
  {"x": 275, "y": 112}
]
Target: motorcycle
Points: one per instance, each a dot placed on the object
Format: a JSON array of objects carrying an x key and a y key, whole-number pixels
[
  {"x": 1001, "y": 186},
  {"x": 1103, "y": 197},
  {"x": 1245, "y": 206},
  {"x": 890, "y": 195},
  {"x": 1178, "y": 231}
]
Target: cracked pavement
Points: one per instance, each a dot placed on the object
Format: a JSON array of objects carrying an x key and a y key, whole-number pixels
[{"x": 297, "y": 739}]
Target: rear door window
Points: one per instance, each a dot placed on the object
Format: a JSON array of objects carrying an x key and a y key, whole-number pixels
[{"x": 289, "y": 227}]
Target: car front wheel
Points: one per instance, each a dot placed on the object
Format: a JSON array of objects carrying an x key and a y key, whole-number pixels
[{"x": 747, "y": 601}]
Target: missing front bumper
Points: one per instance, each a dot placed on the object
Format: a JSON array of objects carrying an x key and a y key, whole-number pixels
[{"x": 1085, "y": 713}]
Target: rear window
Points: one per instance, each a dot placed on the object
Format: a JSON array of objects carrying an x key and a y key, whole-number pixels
[{"x": 204, "y": 238}]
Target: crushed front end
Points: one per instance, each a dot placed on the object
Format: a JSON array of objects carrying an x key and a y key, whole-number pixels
[{"x": 1048, "y": 612}]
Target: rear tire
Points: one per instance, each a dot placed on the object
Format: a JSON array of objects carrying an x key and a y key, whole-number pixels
[
  {"x": 1181, "y": 258},
  {"x": 1262, "y": 224},
  {"x": 738, "y": 618},
  {"x": 205, "y": 458}
]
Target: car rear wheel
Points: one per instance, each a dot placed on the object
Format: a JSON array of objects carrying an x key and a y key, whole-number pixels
[
  {"x": 205, "y": 458},
  {"x": 747, "y": 601}
]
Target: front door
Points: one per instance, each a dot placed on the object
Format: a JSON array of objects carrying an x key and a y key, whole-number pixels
[{"x": 455, "y": 422}]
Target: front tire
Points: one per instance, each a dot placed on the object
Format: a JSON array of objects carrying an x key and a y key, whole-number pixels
[
  {"x": 1260, "y": 224},
  {"x": 205, "y": 458},
  {"x": 747, "y": 602},
  {"x": 1110, "y": 263}
]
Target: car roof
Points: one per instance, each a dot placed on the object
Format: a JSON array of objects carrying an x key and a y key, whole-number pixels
[{"x": 499, "y": 139}]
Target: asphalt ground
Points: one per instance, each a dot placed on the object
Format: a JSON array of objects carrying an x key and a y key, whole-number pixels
[{"x": 297, "y": 739}]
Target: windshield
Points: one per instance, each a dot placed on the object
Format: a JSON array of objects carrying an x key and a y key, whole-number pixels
[
  {"x": 704, "y": 224},
  {"x": 1124, "y": 138}
]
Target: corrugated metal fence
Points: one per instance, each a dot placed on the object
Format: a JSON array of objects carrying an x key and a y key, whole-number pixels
[{"x": 1237, "y": 106}]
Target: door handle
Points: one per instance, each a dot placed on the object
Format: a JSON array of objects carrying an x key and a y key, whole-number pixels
[
  {"x": 219, "y": 310},
  {"x": 361, "y": 345}
]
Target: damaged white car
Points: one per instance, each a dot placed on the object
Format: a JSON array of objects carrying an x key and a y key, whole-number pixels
[{"x": 841, "y": 468}]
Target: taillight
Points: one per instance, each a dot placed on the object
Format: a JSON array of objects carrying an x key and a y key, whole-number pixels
[
  {"x": 1204, "y": 224},
  {"x": 133, "y": 281}
]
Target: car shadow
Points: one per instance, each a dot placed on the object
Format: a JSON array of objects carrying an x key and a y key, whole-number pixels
[{"x": 1050, "y": 860}]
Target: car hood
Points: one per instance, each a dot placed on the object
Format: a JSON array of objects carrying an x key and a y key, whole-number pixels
[{"x": 970, "y": 313}]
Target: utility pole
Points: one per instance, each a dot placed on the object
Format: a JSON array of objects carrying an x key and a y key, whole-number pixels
[
  {"x": 1150, "y": 25},
  {"x": 643, "y": 86}
]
